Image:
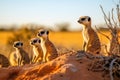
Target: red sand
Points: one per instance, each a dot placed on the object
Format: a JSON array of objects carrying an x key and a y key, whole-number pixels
[{"x": 64, "y": 67}]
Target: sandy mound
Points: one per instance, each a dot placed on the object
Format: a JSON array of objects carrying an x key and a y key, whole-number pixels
[{"x": 65, "y": 67}]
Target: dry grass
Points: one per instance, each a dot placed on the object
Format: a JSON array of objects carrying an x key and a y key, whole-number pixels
[
  {"x": 67, "y": 39},
  {"x": 4, "y": 36}
]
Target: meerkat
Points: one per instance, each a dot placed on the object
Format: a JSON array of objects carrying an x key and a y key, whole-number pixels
[
  {"x": 20, "y": 56},
  {"x": 91, "y": 39},
  {"x": 49, "y": 50},
  {"x": 37, "y": 50},
  {"x": 4, "y": 62}
]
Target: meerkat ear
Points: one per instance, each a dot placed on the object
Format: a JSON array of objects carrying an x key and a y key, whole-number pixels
[
  {"x": 47, "y": 32},
  {"x": 89, "y": 19},
  {"x": 21, "y": 44},
  {"x": 39, "y": 41}
]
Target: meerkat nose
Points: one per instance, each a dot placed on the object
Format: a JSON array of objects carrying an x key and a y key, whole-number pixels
[
  {"x": 31, "y": 43},
  {"x": 39, "y": 34},
  {"x": 14, "y": 45},
  {"x": 79, "y": 21}
]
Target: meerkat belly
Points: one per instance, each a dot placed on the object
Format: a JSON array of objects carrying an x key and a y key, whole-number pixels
[
  {"x": 14, "y": 56},
  {"x": 85, "y": 36},
  {"x": 18, "y": 55},
  {"x": 36, "y": 52},
  {"x": 43, "y": 46}
]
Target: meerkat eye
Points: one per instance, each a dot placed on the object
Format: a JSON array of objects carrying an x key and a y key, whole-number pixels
[
  {"x": 42, "y": 32},
  {"x": 47, "y": 32},
  {"x": 35, "y": 41},
  {"x": 82, "y": 19},
  {"x": 17, "y": 44}
]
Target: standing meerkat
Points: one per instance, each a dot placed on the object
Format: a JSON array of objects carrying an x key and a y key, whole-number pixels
[
  {"x": 49, "y": 50},
  {"x": 37, "y": 50},
  {"x": 91, "y": 39},
  {"x": 20, "y": 56},
  {"x": 4, "y": 62}
]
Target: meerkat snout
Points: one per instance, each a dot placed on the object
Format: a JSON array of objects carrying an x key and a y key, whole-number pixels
[
  {"x": 84, "y": 19},
  {"x": 17, "y": 44},
  {"x": 35, "y": 41},
  {"x": 42, "y": 32}
]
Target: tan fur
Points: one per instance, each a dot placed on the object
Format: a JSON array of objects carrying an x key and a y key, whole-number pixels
[
  {"x": 13, "y": 59},
  {"x": 4, "y": 62},
  {"x": 91, "y": 39},
  {"x": 19, "y": 57},
  {"x": 48, "y": 47},
  {"x": 37, "y": 50}
]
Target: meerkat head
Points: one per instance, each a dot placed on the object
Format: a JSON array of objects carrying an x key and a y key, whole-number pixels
[
  {"x": 42, "y": 33},
  {"x": 85, "y": 20},
  {"x": 18, "y": 44},
  {"x": 35, "y": 41}
]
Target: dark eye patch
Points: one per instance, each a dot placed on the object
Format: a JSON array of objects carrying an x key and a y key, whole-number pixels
[
  {"x": 42, "y": 32},
  {"x": 17, "y": 44},
  {"x": 82, "y": 19},
  {"x": 35, "y": 41}
]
